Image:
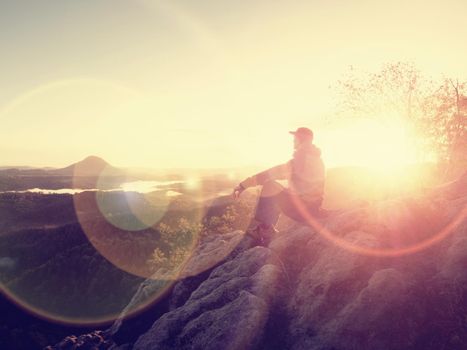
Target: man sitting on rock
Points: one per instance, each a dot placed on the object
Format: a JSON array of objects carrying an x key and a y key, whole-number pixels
[{"x": 305, "y": 174}]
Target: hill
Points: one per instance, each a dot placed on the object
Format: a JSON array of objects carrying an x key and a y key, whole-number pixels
[
  {"x": 89, "y": 166},
  {"x": 83, "y": 174}
]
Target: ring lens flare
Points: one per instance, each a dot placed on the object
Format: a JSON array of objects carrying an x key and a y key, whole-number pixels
[{"x": 150, "y": 235}]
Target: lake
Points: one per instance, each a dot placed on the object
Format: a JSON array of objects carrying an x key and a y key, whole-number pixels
[{"x": 140, "y": 186}]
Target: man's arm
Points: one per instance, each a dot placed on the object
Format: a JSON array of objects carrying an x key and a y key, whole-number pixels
[{"x": 278, "y": 172}]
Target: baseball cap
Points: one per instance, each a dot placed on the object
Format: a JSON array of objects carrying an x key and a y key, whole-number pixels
[{"x": 302, "y": 133}]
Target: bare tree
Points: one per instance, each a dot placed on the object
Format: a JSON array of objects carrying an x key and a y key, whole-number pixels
[{"x": 434, "y": 110}]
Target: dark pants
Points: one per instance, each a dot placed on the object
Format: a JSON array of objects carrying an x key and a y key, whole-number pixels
[{"x": 275, "y": 199}]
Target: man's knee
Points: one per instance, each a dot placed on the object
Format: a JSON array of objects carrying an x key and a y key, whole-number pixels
[
  {"x": 271, "y": 188},
  {"x": 272, "y": 183}
]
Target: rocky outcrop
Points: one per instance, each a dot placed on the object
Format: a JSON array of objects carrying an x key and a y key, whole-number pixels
[
  {"x": 228, "y": 310},
  {"x": 390, "y": 275}
]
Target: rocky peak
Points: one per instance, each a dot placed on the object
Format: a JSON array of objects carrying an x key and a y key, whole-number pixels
[{"x": 89, "y": 166}]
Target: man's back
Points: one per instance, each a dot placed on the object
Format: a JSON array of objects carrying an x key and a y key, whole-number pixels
[{"x": 307, "y": 173}]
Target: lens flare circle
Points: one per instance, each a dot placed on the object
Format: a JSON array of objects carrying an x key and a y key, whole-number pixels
[
  {"x": 150, "y": 235},
  {"x": 126, "y": 208}
]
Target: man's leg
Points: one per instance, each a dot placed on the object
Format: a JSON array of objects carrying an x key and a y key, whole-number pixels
[
  {"x": 267, "y": 210},
  {"x": 267, "y": 213}
]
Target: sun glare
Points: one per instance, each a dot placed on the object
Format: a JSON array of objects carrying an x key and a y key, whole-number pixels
[{"x": 371, "y": 144}]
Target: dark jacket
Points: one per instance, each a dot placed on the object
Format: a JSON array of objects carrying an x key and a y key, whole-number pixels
[{"x": 305, "y": 173}]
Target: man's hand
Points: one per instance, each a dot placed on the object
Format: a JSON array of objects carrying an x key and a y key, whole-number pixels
[{"x": 238, "y": 191}]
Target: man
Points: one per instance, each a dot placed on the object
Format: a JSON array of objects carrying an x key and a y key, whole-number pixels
[{"x": 305, "y": 174}]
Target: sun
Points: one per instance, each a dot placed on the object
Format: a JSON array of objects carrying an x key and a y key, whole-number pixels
[
  {"x": 375, "y": 160},
  {"x": 377, "y": 145}
]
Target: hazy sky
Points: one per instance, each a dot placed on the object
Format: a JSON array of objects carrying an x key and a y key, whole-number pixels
[{"x": 198, "y": 83}]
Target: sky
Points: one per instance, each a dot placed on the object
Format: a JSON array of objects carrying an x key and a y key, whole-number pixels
[{"x": 203, "y": 83}]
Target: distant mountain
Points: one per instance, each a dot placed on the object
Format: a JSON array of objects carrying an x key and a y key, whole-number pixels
[
  {"x": 89, "y": 173},
  {"x": 89, "y": 166}
]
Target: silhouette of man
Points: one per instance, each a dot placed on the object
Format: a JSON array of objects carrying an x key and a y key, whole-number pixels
[{"x": 305, "y": 173}]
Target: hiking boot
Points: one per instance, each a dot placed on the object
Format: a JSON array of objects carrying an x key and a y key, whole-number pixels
[
  {"x": 267, "y": 235},
  {"x": 262, "y": 234},
  {"x": 253, "y": 229}
]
